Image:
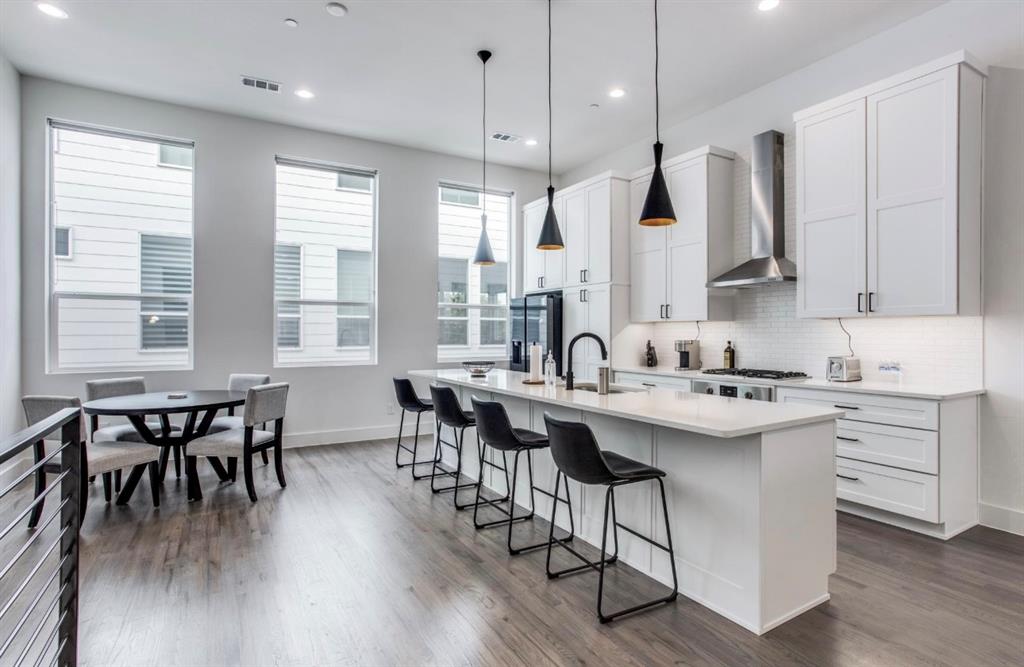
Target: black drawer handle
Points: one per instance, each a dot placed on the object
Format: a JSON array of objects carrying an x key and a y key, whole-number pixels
[
  {"x": 840, "y": 437},
  {"x": 852, "y": 479},
  {"x": 648, "y": 384},
  {"x": 846, "y": 407}
]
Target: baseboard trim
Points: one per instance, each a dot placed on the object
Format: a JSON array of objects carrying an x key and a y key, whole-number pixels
[
  {"x": 1002, "y": 518},
  {"x": 359, "y": 434}
]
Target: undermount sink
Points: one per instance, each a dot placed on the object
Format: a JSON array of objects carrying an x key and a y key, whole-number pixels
[{"x": 612, "y": 389}]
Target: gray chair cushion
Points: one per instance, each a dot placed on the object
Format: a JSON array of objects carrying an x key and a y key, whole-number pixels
[
  {"x": 107, "y": 456},
  {"x": 225, "y": 424},
  {"x": 125, "y": 432},
  {"x": 225, "y": 443},
  {"x": 265, "y": 403},
  {"x": 246, "y": 381},
  {"x": 97, "y": 389}
]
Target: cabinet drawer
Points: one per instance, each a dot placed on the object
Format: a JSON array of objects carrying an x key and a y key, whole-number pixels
[
  {"x": 891, "y": 410},
  {"x": 653, "y": 381},
  {"x": 905, "y": 492},
  {"x": 909, "y": 448}
]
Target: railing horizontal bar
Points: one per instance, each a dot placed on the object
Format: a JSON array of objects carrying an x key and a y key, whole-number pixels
[
  {"x": 38, "y": 499},
  {"x": 39, "y": 628},
  {"x": 28, "y": 579},
  {"x": 28, "y": 612},
  {"x": 13, "y": 445},
  {"x": 35, "y": 536},
  {"x": 28, "y": 473},
  {"x": 49, "y": 640}
]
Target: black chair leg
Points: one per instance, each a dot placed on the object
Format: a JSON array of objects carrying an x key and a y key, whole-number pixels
[
  {"x": 398, "y": 443},
  {"x": 177, "y": 461},
  {"x": 165, "y": 453},
  {"x": 456, "y": 474},
  {"x": 232, "y": 468},
  {"x": 40, "y": 475},
  {"x": 250, "y": 486},
  {"x": 107, "y": 484},
  {"x": 266, "y": 459},
  {"x": 565, "y": 543},
  {"x": 278, "y": 464},
  {"x": 130, "y": 483},
  {"x": 192, "y": 478},
  {"x": 399, "y": 446},
  {"x": 154, "y": 482},
  {"x": 117, "y": 481}
]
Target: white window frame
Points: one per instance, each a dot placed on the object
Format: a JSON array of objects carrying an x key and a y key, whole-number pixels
[
  {"x": 71, "y": 240},
  {"x": 53, "y": 297},
  {"x": 374, "y": 303},
  {"x": 302, "y": 286},
  {"x": 464, "y": 188},
  {"x": 449, "y": 353},
  {"x": 169, "y": 165}
]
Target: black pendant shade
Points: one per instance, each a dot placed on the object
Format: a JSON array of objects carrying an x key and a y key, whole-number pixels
[
  {"x": 657, "y": 211},
  {"x": 484, "y": 256},
  {"x": 550, "y": 236}
]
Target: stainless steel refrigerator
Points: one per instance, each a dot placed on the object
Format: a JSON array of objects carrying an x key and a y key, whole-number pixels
[{"x": 535, "y": 318}]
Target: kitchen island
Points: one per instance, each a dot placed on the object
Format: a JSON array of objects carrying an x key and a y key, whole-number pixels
[{"x": 751, "y": 487}]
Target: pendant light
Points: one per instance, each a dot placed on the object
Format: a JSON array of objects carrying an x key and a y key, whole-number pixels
[
  {"x": 550, "y": 236},
  {"x": 657, "y": 211},
  {"x": 484, "y": 255}
]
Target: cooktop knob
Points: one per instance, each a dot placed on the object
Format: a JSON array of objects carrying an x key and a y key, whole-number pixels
[
  {"x": 749, "y": 394},
  {"x": 709, "y": 390}
]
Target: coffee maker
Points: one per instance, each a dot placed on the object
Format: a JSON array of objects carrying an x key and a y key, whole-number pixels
[{"x": 689, "y": 355}]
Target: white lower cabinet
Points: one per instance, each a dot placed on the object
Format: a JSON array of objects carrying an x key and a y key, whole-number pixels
[
  {"x": 909, "y": 462},
  {"x": 652, "y": 381}
]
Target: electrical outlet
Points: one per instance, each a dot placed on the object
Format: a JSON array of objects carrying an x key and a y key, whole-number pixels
[
  {"x": 391, "y": 408},
  {"x": 892, "y": 367}
]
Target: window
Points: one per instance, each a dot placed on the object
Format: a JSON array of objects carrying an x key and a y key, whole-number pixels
[
  {"x": 175, "y": 156},
  {"x": 62, "y": 242},
  {"x": 472, "y": 301},
  {"x": 123, "y": 299},
  {"x": 288, "y": 289},
  {"x": 460, "y": 196},
  {"x": 325, "y": 265}
]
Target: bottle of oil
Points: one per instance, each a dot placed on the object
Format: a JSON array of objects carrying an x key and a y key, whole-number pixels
[{"x": 730, "y": 355}]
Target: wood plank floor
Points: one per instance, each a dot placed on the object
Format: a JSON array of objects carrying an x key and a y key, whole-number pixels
[{"x": 355, "y": 564}]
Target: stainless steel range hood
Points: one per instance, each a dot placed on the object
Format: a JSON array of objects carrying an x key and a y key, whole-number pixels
[{"x": 768, "y": 263}]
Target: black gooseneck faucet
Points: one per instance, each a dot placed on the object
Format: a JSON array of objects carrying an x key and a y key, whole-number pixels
[{"x": 572, "y": 343}]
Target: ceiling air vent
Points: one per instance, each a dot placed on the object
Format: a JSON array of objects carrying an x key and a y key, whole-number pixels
[
  {"x": 505, "y": 137},
  {"x": 261, "y": 84}
]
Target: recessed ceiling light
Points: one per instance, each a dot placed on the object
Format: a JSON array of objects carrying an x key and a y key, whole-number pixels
[
  {"x": 336, "y": 9},
  {"x": 51, "y": 10},
  {"x": 595, "y": 105},
  {"x": 305, "y": 94},
  {"x": 291, "y": 23},
  {"x": 619, "y": 92},
  {"x": 767, "y": 5},
  {"x": 531, "y": 142}
]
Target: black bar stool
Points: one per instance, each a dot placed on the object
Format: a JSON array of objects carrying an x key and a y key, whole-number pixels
[
  {"x": 496, "y": 431},
  {"x": 578, "y": 457},
  {"x": 410, "y": 402},
  {"x": 449, "y": 413}
]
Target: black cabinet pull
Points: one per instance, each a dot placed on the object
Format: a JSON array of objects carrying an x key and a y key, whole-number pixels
[
  {"x": 668, "y": 308},
  {"x": 847, "y": 477},
  {"x": 871, "y": 307},
  {"x": 845, "y": 407},
  {"x": 860, "y": 302},
  {"x": 840, "y": 437},
  {"x": 648, "y": 384}
]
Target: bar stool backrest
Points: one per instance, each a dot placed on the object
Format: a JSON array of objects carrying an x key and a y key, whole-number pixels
[
  {"x": 265, "y": 403},
  {"x": 493, "y": 425},
  {"x": 576, "y": 452},
  {"x": 447, "y": 408},
  {"x": 97, "y": 389},
  {"x": 245, "y": 381},
  {"x": 406, "y": 395}
]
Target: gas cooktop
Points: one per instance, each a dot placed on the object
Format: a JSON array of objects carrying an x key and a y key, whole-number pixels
[{"x": 756, "y": 373}]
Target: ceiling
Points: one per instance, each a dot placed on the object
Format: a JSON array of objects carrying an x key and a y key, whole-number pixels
[{"x": 405, "y": 71}]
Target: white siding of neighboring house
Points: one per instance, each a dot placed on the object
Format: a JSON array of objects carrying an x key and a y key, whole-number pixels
[
  {"x": 108, "y": 191},
  {"x": 459, "y": 232}
]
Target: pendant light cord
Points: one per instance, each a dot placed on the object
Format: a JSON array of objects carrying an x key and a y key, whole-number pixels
[
  {"x": 483, "y": 126},
  {"x": 549, "y": 93},
  {"x": 657, "y": 99}
]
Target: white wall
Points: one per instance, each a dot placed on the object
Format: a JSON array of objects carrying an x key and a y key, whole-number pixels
[
  {"x": 234, "y": 232},
  {"x": 934, "y": 348},
  {"x": 10, "y": 251}
]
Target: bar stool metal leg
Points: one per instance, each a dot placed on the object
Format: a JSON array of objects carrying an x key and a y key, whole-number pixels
[
  {"x": 436, "y": 469},
  {"x": 564, "y": 543},
  {"x": 510, "y": 517},
  {"x": 399, "y": 446}
]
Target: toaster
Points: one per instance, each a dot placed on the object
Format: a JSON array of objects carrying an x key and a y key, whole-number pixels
[{"x": 842, "y": 369}]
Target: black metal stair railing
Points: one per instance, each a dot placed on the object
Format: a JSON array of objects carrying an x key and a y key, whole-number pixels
[{"x": 39, "y": 566}]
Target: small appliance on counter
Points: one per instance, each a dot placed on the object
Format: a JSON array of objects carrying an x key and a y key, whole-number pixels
[
  {"x": 843, "y": 369},
  {"x": 689, "y": 355},
  {"x": 650, "y": 356}
]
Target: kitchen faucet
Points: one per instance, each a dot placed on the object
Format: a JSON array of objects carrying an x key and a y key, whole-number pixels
[{"x": 568, "y": 368}]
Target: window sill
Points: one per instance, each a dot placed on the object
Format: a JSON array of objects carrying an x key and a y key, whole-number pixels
[
  {"x": 324, "y": 364},
  {"x": 468, "y": 355},
  {"x": 150, "y": 368}
]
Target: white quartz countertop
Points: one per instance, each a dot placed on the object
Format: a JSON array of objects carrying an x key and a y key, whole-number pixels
[
  {"x": 698, "y": 413},
  {"x": 880, "y": 387}
]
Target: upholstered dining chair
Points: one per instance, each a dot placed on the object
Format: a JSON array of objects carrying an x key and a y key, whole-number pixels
[
  {"x": 109, "y": 388},
  {"x": 102, "y": 458},
  {"x": 263, "y": 404},
  {"x": 239, "y": 382}
]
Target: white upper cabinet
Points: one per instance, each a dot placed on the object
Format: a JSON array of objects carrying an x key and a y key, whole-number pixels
[
  {"x": 889, "y": 196},
  {"x": 590, "y": 308},
  {"x": 592, "y": 216},
  {"x": 830, "y": 213},
  {"x": 670, "y": 266}
]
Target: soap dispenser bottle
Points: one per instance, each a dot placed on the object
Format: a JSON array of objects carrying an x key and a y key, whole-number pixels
[{"x": 549, "y": 369}]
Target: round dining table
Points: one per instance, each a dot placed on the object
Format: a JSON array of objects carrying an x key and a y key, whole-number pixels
[{"x": 163, "y": 404}]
